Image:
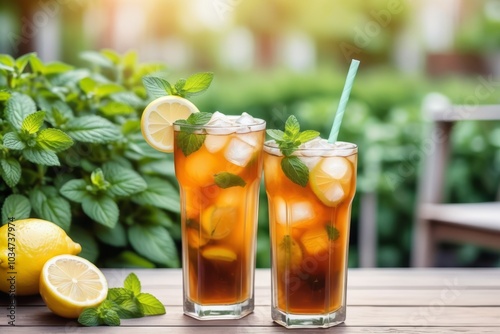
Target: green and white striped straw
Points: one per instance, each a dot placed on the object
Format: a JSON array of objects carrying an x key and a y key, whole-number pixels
[{"x": 343, "y": 101}]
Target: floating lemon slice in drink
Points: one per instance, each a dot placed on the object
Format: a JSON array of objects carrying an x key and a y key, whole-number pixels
[
  {"x": 158, "y": 118},
  {"x": 219, "y": 253},
  {"x": 330, "y": 180},
  {"x": 69, "y": 284}
]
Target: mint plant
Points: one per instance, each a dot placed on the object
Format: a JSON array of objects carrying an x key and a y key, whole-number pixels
[{"x": 71, "y": 152}]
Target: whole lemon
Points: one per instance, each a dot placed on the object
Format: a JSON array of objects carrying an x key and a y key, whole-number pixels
[{"x": 25, "y": 246}]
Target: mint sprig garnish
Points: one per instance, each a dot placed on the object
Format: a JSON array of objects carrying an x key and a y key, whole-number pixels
[
  {"x": 122, "y": 303},
  {"x": 193, "y": 85},
  {"x": 188, "y": 141},
  {"x": 288, "y": 142},
  {"x": 227, "y": 180}
]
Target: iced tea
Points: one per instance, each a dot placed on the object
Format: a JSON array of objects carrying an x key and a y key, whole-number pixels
[
  {"x": 309, "y": 228},
  {"x": 219, "y": 186}
]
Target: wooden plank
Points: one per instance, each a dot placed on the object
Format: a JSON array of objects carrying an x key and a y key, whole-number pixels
[
  {"x": 484, "y": 216},
  {"x": 171, "y": 296},
  {"x": 466, "y": 112},
  {"x": 434, "y": 314},
  {"x": 421, "y": 278},
  {"x": 341, "y": 329}
]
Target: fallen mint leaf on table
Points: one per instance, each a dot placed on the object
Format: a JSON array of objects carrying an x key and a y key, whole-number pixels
[{"x": 122, "y": 303}]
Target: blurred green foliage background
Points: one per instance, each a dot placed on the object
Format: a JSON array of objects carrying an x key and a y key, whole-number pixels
[{"x": 279, "y": 57}]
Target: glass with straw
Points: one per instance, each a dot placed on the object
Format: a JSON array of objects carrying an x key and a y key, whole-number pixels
[{"x": 310, "y": 184}]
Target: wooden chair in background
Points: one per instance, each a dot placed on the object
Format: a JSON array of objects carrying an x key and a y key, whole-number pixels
[{"x": 471, "y": 223}]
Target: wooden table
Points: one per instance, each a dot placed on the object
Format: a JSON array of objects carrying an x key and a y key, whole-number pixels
[{"x": 379, "y": 301}]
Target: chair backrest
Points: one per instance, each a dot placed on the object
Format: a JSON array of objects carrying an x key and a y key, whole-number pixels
[{"x": 437, "y": 147}]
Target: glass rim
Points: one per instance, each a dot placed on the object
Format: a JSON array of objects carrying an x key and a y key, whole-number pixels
[
  {"x": 349, "y": 148},
  {"x": 259, "y": 125}
]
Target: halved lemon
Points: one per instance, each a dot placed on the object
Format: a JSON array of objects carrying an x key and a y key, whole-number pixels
[
  {"x": 158, "y": 118},
  {"x": 330, "y": 180},
  {"x": 69, "y": 284}
]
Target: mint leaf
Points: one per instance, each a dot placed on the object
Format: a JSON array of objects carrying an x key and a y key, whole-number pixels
[
  {"x": 132, "y": 283},
  {"x": 101, "y": 209},
  {"x": 150, "y": 304},
  {"x": 197, "y": 83},
  {"x": 118, "y": 295},
  {"x": 123, "y": 181},
  {"x": 17, "y": 108},
  {"x": 87, "y": 85},
  {"x": 113, "y": 108},
  {"x": 37, "y": 65},
  {"x": 292, "y": 127},
  {"x": 48, "y": 205},
  {"x": 189, "y": 142},
  {"x": 198, "y": 118},
  {"x": 22, "y": 61},
  {"x": 54, "y": 140},
  {"x": 159, "y": 193},
  {"x": 116, "y": 236},
  {"x": 155, "y": 243},
  {"x": 10, "y": 170},
  {"x": 333, "y": 233},
  {"x": 33, "y": 122},
  {"x": 227, "y": 180},
  {"x": 74, "y": 190},
  {"x": 4, "y": 95},
  {"x": 56, "y": 67},
  {"x": 179, "y": 86},
  {"x": 295, "y": 170},
  {"x": 15, "y": 206},
  {"x": 276, "y": 134},
  {"x": 7, "y": 62},
  {"x": 105, "y": 89},
  {"x": 157, "y": 87},
  {"x": 38, "y": 155},
  {"x": 110, "y": 317},
  {"x": 306, "y": 136},
  {"x": 90, "y": 317},
  {"x": 96, "y": 58},
  {"x": 12, "y": 141},
  {"x": 124, "y": 303},
  {"x": 92, "y": 129}
]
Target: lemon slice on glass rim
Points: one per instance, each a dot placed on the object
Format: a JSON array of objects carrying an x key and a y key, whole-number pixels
[
  {"x": 69, "y": 284},
  {"x": 158, "y": 118}
]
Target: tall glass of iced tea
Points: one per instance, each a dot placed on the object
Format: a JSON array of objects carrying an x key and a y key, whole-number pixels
[
  {"x": 309, "y": 227},
  {"x": 218, "y": 166}
]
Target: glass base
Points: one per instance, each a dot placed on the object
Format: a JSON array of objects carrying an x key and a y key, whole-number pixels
[
  {"x": 218, "y": 312},
  {"x": 290, "y": 320}
]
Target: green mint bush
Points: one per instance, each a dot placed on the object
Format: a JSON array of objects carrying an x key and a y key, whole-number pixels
[{"x": 71, "y": 152}]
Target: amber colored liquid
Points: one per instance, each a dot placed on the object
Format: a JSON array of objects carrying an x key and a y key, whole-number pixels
[
  {"x": 309, "y": 243},
  {"x": 218, "y": 224}
]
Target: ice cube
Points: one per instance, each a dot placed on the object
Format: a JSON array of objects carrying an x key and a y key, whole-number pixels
[
  {"x": 238, "y": 151},
  {"x": 296, "y": 212},
  {"x": 310, "y": 162},
  {"x": 315, "y": 147},
  {"x": 251, "y": 139},
  {"x": 245, "y": 119},
  {"x": 335, "y": 193},
  {"x": 219, "y": 124},
  {"x": 338, "y": 168},
  {"x": 215, "y": 143}
]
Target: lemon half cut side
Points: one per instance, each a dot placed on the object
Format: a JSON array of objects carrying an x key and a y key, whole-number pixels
[
  {"x": 69, "y": 284},
  {"x": 158, "y": 118}
]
